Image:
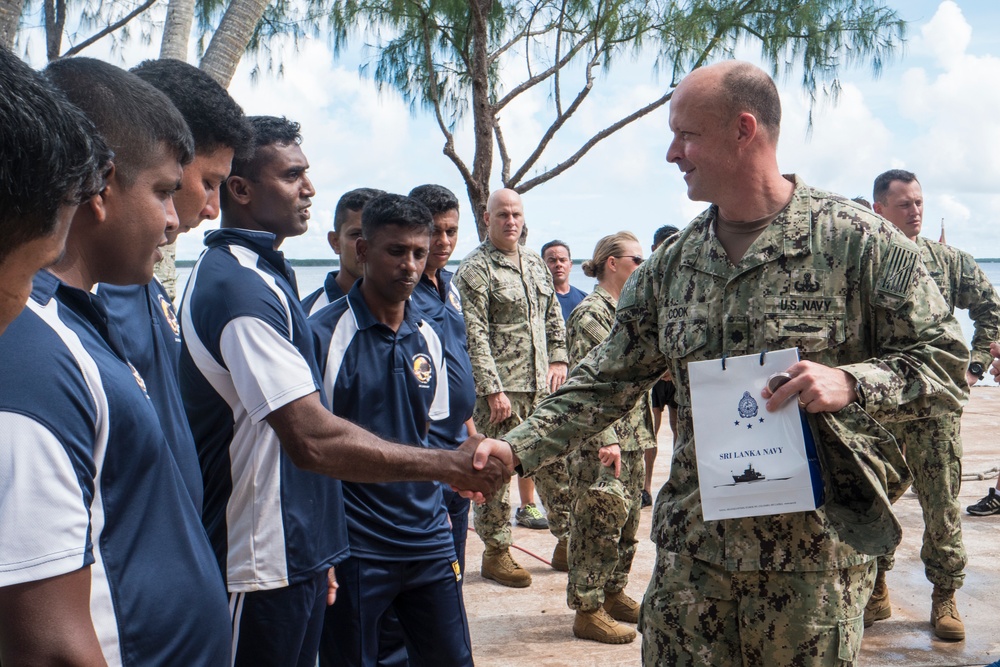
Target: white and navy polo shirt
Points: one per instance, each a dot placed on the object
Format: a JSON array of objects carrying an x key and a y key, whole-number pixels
[
  {"x": 247, "y": 351},
  {"x": 324, "y": 296},
  {"x": 87, "y": 478},
  {"x": 442, "y": 304},
  {"x": 151, "y": 340},
  {"x": 388, "y": 383}
]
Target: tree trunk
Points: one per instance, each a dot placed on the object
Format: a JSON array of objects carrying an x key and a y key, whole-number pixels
[
  {"x": 10, "y": 16},
  {"x": 55, "y": 21},
  {"x": 166, "y": 270},
  {"x": 482, "y": 114},
  {"x": 230, "y": 41},
  {"x": 177, "y": 29}
]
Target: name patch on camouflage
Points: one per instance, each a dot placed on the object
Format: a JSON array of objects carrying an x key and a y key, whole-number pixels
[
  {"x": 627, "y": 298},
  {"x": 897, "y": 270}
]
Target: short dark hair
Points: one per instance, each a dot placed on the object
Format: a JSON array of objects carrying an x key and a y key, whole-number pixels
[
  {"x": 355, "y": 201},
  {"x": 437, "y": 198},
  {"x": 50, "y": 155},
  {"x": 213, "y": 116},
  {"x": 885, "y": 179},
  {"x": 662, "y": 234},
  {"x": 131, "y": 115},
  {"x": 555, "y": 243},
  {"x": 750, "y": 89},
  {"x": 267, "y": 131},
  {"x": 862, "y": 201},
  {"x": 392, "y": 209}
]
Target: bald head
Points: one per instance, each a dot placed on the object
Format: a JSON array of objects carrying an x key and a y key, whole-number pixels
[
  {"x": 734, "y": 87},
  {"x": 725, "y": 120},
  {"x": 504, "y": 219}
]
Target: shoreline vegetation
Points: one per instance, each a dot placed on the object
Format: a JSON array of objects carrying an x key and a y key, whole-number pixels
[{"x": 334, "y": 263}]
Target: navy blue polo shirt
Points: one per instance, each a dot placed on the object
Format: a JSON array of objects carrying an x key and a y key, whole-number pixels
[
  {"x": 388, "y": 383},
  {"x": 570, "y": 300},
  {"x": 443, "y": 306},
  {"x": 151, "y": 340},
  {"x": 87, "y": 478},
  {"x": 324, "y": 296},
  {"x": 246, "y": 352}
]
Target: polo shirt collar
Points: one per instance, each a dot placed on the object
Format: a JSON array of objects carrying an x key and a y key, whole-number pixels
[
  {"x": 364, "y": 319},
  {"x": 261, "y": 243},
  {"x": 45, "y": 287}
]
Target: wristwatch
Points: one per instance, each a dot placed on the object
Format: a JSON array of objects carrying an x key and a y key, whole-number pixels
[{"x": 977, "y": 369}]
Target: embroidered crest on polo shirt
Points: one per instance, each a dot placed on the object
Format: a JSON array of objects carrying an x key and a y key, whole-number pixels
[
  {"x": 170, "y": 315},
  {"x": 422, "y": 368},
  {"x": 456, "y": 303},
  {"x": 138, "y": 378}
]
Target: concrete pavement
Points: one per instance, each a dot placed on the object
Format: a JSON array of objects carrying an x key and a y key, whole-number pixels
[{"x": 533, "y": 627}]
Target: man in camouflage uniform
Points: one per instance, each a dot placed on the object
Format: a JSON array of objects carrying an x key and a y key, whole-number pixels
[
  {"x": 517, "y": 344},
  {"x": 810, "y": 270},
  {"x": 933, "y": 446},
  {"x": 607, "y": 500}
]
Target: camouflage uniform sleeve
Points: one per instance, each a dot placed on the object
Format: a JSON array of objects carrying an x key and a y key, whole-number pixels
[
  {"x": 474, "y": 290},
  {"x": 605, "y": 385},
  {"x": 583, "y": 333},
  {"x": 920, "y": 355},
  {"x": 977, "y": 294},
  {"x": 555, "y": 328}
]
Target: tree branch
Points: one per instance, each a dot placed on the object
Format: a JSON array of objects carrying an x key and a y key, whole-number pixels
[
  {"x": 108, "y": 30},
  {"x": 435, "y": 94},
  {"x": 558, "y": 123},
  {"x": 541, "y": 76},
  {"x": 504, "y": 155},
  {"x": 593, "y": 141},
  {"x": 555, "y": 82}
]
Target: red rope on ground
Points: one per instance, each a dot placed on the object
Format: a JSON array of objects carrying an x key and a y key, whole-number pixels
[{"x": 519, "y": 548}]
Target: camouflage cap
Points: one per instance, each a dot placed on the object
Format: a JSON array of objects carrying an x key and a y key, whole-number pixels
[{"x": 864, "y": 473}]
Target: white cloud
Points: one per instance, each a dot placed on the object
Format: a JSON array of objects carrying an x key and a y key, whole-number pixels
[{"x": 946, "y": 36}]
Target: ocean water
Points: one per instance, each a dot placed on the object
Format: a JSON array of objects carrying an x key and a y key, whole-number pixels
[{"x": 311, "y": 278}]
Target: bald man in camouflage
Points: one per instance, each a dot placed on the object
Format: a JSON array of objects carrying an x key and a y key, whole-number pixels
[
  {"x": 517, "y": 344},
  {"x": 772, "y": 264}
]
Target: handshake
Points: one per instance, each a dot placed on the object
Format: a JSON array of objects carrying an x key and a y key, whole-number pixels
[{"x": 482, "y": 467}]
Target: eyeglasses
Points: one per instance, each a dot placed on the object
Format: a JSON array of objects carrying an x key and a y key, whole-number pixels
[{"x": 635, "y": 258}]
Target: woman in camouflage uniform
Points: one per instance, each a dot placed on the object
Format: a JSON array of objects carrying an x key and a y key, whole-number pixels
[{"x": 606, "y": 500}]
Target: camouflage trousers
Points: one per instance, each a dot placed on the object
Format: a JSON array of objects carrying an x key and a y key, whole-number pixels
[
  {"x": 934, "y": 456},
  {"x": 603, "y": 525},
  {"x": 697, "y": 613},
  {"x": 492, "y": 519}
]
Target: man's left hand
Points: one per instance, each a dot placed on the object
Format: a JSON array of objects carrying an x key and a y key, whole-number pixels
[
  {"x": 820, "y": 388},
  {"x": 556, "y": 375},
  {"x": 332, "y": 586},
  {"x": 611, "y": 457}
]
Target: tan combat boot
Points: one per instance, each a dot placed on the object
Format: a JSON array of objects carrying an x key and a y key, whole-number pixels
[
  {"x": 944, "y": 615},
  {"x": 560, "y": 556},
  {"x": 501, "y": 568},
  {"x": 621, "y": 607},
  {"x": 878, "y": 607},
  {"x": 600, "y": 627}
]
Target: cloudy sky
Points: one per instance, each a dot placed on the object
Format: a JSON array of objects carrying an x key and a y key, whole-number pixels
[{"x": 933, "y": 111}]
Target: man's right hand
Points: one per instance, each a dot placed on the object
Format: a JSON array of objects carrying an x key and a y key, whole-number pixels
[
  {"x": 995, "y": 365},
  {"x": 479, "y": 476},
  {"x": 499, "y": 407}
]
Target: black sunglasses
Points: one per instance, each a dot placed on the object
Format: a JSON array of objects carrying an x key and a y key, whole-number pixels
[{"x": 635, "y": 258}]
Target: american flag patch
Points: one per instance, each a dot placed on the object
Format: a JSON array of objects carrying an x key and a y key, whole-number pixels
[{"x": 897, "y": 270}]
